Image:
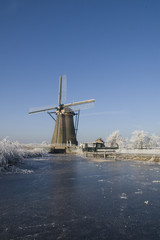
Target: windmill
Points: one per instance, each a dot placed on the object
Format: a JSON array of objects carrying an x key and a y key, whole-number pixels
[{"x": 66, "y": 128}]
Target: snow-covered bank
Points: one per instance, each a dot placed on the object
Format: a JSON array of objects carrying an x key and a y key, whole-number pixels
[
  {"x": 155, "y": 151},
  {"x": 145, "y": 155},
  {"x": 14, "y": 152}
]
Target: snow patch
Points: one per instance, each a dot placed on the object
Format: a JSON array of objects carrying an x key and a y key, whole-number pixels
[
  {"x": 139, "y": 192},
  {"x": 13, "y": 169},
  {"x": 123, "y": 196}
]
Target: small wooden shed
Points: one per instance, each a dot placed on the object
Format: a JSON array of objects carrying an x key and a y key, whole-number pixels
[{"x": 99, "y": 143}]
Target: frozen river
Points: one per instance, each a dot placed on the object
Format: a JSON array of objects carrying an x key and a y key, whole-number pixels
[{"x": 68, "y": 197}]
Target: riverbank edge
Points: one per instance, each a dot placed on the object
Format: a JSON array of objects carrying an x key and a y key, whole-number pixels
[{"x": 155, "y": 158}]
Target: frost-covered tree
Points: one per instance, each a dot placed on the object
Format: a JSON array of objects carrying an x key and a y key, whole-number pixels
[
  {"x": 153, "y": 141},
  {"x": 115, "y": 140},
  {"x": 139, "y": 139}
]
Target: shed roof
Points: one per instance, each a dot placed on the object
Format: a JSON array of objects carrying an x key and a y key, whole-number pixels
[{"x": 99, "y": 140}]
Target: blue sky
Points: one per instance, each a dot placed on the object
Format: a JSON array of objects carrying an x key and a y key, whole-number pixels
[{"x": 109, "y": 50}]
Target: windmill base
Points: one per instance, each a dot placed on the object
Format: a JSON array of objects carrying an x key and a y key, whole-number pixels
[
  {"x": 64, "y": 149},
  {"x": 58, "y": 149}
]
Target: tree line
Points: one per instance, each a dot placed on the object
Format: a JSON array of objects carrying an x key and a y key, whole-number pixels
[{"x": 139, "y": 140}]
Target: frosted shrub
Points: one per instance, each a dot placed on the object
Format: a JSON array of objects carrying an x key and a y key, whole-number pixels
[
  {"x": 13, "y": 152},
  {"x": 9, "y": 153}
]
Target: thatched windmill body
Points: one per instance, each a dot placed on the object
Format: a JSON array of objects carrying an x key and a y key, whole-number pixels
[{"x": 66, "y": 128}]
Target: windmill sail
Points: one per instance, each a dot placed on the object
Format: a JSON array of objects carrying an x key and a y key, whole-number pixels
[
  {"x": 41, "y": 109},
  {"x": 80, "y": 107},
  {"x": 79, "y": 103},
  {"x": 62, "y": 90}
]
